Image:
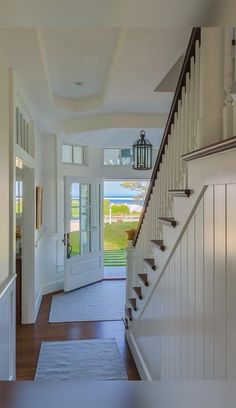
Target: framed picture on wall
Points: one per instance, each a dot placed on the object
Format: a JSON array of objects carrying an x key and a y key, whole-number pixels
[{"x": 39, "y": 207}]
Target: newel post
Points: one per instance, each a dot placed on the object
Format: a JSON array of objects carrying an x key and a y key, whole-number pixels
[
  {"x": 130, "y": 262},
  {"x": 212, "y": 87}
]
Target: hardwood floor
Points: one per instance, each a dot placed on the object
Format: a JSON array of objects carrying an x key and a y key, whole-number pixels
[{"x": 29, "y": 338}]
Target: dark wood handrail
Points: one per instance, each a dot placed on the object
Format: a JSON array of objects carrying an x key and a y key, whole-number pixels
[{"x": 195, "y": 36}]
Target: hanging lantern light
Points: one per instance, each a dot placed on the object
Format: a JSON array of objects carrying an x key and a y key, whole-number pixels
[{"x": 142, "y": 153}]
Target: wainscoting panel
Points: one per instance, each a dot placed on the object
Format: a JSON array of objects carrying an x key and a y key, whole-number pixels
[
  {"x": 187, "y": 330},
  {"x": 7, "y": 329}
]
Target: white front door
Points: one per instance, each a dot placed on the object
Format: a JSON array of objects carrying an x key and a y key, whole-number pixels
[{"x": 83, "y": 232}]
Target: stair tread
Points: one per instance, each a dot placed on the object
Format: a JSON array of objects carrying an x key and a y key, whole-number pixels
[
  {"x": 150, "y": 262},
  {"x": 144, "y": 278},
  {"x": 133, "y": 303},
  {"x": 180, "y": 193},
  {"x": 126, "y": 322},
  {"x": 138, "y": 291},
  {"x": 159, "y": 243},
  {"x": 128, "y": 311},
  {"x": 168, "y": 220}
]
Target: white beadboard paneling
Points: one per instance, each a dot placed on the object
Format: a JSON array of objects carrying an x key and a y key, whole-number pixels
[
  {"x": 208, "y": 284},
  {"x": 184, "y": 307},
  {"x": 190, "y": 319},
  {"x": 231, "y": 283},
  {"x": 191, "y": 298},
  {"x": 7, "y": 329},
  {"x": 177, "y": 314},
  {"x": 172, "y": 318},
  {"x": 199, "y": 290},
  {"x": 220, "y": 281}
]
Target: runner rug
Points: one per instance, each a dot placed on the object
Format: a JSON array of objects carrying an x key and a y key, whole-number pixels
[{"x": 80, "y": 360}]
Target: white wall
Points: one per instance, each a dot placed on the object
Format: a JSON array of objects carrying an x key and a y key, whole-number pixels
[
  {"x": 4, "y": 168},
  {"x": 50, "y": 249},
  {"x": 94, "y": 168},
  {"x": 39, "y": 256},
  {"x": 7, "y": 279},
  {"x": 51, "y": 245},
  {"x": 222, "y": 14}
]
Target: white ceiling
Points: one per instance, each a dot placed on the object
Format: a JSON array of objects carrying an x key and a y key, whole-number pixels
[
  {"x": 120, "y": 50},
  {"x": 79, "y": 55},
  {"x": 104, "y": 13}
]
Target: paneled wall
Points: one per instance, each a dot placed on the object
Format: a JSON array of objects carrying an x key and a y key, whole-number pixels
[
  {"x": 188, "y": 328},
  {"x": 7, "y": 330}
]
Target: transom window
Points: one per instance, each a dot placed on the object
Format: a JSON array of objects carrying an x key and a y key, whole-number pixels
[
  {"x": 117, "y": 157},
  {"x": 22, "y": 131},
  {"x": 72, "y": 154}
]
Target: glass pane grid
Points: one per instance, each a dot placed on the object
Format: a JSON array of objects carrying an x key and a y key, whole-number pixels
[
  {"x": 117, "y": 157},
  {"x": 72, "y": 154},
  {"x": 85, "y": 223}
]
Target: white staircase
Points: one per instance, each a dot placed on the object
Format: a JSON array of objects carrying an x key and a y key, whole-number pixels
[{"x": 180, "y": 320}]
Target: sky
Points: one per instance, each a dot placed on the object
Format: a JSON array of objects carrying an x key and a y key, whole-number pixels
[{"x": 114, "y": 189}]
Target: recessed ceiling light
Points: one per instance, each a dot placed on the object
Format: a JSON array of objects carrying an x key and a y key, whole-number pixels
[{"x": 78, "y": 83}]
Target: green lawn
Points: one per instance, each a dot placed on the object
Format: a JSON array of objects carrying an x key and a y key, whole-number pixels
[
  {"x": 115, "y": 257},
  {"x": 115, "y": 241},
  {"x": 115, "y": 235}
]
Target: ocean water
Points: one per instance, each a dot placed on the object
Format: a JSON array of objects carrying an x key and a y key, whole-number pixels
[{"x": 124, "y": 200}]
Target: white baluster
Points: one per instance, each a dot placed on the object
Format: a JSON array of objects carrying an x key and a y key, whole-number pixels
[
  {"x": 228, "y": 82},
  {"x": 166, "y": 179},
  {"x": 186, "y": 129},
  {"x": 174, "y": 151},
  {"x": 196, "y": 94},
  {"x": 177, "y": 146},
  {"x": 183, "y": 136},
  {"x": 192, "y": 99}
]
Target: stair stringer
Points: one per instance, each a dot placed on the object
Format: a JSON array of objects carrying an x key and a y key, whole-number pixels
[
  {"x": 162, "y": 258},
  {"x": 130, "y": 334}
]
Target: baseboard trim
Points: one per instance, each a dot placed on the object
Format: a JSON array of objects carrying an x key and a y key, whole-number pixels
[
  {"x": 52, "y": 287},
  {"x": 137, "y": 356}
]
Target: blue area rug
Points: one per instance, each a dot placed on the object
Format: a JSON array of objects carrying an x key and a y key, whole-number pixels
[
  {"x": 98, "y": 302},
  {"x": 80, "y": 360}
]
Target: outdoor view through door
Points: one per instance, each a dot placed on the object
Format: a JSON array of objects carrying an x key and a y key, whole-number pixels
[
  {"x": 83, "y": 232},
  {"x": 123, "y": 203}
]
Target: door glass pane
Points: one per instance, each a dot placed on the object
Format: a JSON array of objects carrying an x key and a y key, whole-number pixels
[
  {"x": 74, "y": 237},
  {"x": 75, "y": 200},
  {"x": 95, "y": 240},
  {"x": 95, "y": 217},
  {"x": 74, "y": 248},
  {"x": 78, "y": 155},
  {"x": 95, "y": 194},
  {"x": 67, "y": 153},
  {"x": 84, "y": 195},
  {"x": 85, "y": 222},
  {"x": 85, "y": 247}
]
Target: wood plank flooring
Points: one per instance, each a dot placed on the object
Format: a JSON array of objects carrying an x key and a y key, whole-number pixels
[{"x": 29, "y": 338}]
